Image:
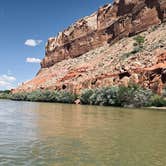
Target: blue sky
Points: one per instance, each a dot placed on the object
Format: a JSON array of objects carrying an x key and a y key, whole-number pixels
[{"x": 25, "y": 26}]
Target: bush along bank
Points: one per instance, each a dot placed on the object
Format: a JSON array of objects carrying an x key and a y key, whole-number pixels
[
  {"x": 5, "y": 94},
  {"x": 45, "y": 96},
  {"x": 131, "y": 96}
]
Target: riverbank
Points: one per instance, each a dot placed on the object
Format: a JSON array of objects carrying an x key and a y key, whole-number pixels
[{"x": 131, "y": 96}]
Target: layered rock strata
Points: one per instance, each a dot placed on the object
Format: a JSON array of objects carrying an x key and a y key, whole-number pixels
[
  {"x": 99, "y": 50},
  {"x": 109, "y": 24}
]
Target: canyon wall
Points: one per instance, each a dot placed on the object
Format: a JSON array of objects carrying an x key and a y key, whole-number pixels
[
  {"x": 101, "y": 50},
  {"x": 109, "y": 24}
]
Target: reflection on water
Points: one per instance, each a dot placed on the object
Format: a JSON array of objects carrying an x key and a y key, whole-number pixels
[{"x": 44, "y": 134}]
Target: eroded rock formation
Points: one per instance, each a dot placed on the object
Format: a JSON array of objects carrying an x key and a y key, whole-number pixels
[
  {"x": 98, "y": 51},
  {"x": 109, "y": 24}
]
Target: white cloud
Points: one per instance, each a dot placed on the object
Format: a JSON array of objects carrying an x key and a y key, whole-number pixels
[
  {"x": 6, "y": 81},
  {"x": 32, "y": 42},
  {"x": 33, "y": 60}
]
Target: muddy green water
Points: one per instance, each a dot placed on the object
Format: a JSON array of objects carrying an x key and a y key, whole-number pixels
[{"x": 44, "y": 134}]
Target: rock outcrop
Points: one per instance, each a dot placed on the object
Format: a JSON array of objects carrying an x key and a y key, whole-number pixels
[
  {"x": 108, "y": 25},
  {"x": 99, "y": 50}
]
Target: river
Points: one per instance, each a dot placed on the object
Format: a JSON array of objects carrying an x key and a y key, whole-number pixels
[{"x": 47, "y": 134}]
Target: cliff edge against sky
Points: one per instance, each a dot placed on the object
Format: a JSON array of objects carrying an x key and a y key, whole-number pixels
[{"x": 120, "y": 43}]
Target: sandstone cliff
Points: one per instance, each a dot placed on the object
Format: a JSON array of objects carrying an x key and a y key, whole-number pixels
[
  {"x": 109, "y": 24},
  {"x": 99, "y": 50}
]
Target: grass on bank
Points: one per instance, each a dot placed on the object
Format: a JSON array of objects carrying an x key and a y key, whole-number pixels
[{"x": 131, "y": 96}]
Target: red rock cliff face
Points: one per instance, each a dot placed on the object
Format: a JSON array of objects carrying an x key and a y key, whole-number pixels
[
  {"x": 109, "y": 24},
  {"x": 90, "y": 54}
]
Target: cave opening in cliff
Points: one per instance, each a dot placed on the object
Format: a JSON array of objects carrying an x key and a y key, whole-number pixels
[
  {"x": 64, "y": 86},
  {"x": 124, "y": 74}
]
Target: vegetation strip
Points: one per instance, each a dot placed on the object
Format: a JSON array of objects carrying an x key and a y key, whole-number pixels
[{"x": 131, "y": 96}]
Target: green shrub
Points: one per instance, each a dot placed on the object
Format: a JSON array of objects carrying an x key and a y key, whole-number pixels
[
  {"x": 105, "y": 96},
  {"x": 157, "y": 101},
  {"x": 134, "y": 96},
  {"x": 85, "y": 96},
  {"x": 66, "y": 97},
  {"x": 46, "y": 96},
  {"x": 34, "y": 96},
  {"x": 19, "y": 96},
  {"x": 142, "y": 97},
  {"x": 5, "y": 91},
  {"x": 139, "y": 39},
  {"x": 97, "y": 98},
  {"x": 5, "y": 94},
  {"x": 54, "y": 96}
]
